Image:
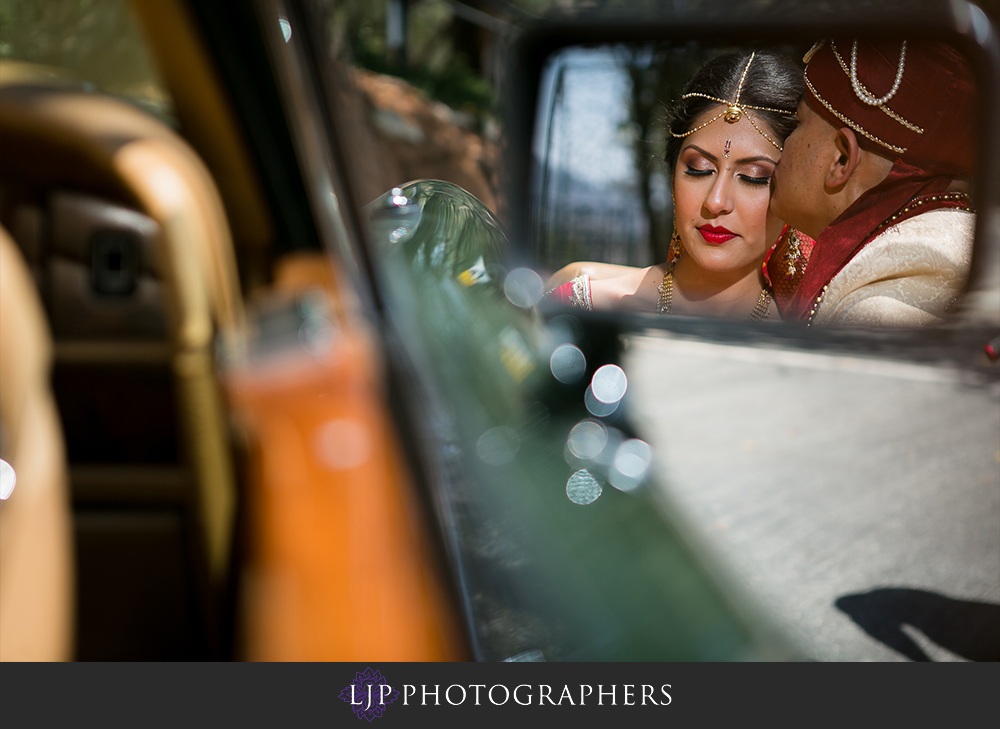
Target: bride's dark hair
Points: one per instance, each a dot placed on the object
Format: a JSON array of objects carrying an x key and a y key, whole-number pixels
[{"x": 773, "y": 80}]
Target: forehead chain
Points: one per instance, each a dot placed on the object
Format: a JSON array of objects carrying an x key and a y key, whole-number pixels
[{"x": 734, "y": 110}]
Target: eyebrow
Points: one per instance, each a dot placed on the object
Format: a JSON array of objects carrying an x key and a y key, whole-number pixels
[{"x": 741, "y": 161}]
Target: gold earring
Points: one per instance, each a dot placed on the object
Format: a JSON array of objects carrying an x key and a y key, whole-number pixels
[
  {"x": 793, "y": 252},
  {"x": 675, "y": 241}
]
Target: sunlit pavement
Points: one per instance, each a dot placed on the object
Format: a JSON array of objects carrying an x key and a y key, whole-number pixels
[{"x": 857, "y": 502}]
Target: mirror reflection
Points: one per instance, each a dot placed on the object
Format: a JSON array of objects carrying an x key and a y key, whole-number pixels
[{"x": 824, "y": 187}]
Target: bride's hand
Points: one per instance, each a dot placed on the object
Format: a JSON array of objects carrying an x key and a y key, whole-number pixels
[{"x": 595, "y": 269}]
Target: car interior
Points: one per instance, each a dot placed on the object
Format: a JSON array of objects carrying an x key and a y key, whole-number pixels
[
  {"x": 145, "y": 236},
  {"x": 127, "y": 239}
]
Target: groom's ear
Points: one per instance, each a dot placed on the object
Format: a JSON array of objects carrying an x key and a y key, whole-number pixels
[{"x": 844, "y": 160}]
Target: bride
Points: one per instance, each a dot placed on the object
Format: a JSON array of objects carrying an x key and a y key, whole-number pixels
[{"x": 726, "y": 137}]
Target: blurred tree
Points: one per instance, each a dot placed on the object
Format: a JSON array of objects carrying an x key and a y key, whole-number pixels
[
  {"x": 436, "y": 45},
  {"x": 94, "y": 43},
  {"x": 98, "y": 39}
]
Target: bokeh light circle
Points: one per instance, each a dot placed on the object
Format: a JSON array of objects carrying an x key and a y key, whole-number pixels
[
  {"x": 597, "y": 408},
  {"x": 523, "y": 287},
  {"x": 609, "y": 384},
  {"x": 568, "y": 363},
  {"x": 631, "y": 464},
  {"x": 343, "y": 444},
  {"x": 583, "y": 488},
  {"x": 587, "y": 439},
  {"x": 498, "y": 446}
]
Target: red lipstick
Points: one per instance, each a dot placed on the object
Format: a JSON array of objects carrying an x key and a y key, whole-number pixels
[{"x": 715, "y": 235}]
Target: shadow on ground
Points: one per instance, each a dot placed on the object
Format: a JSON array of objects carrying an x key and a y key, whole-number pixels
[{"x": 967, "y": 629}]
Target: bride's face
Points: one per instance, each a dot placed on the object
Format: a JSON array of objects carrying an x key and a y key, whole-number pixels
[{"x": 721, "y": 193}]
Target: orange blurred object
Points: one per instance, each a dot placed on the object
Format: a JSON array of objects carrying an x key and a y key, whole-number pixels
[{"x": 340, "y": 563}]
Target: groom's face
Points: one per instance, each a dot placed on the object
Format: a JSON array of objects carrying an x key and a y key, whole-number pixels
[{"x": 798, "y": 191}]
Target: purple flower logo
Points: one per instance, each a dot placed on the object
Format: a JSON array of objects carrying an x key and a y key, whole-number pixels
[{"x": 369, "y": 694}]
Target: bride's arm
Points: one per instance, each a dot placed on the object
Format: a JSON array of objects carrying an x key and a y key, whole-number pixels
[{"x": 596, "y": 270}]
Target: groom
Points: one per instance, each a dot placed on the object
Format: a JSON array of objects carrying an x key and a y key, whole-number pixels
[{"x": 877, "y": 173}]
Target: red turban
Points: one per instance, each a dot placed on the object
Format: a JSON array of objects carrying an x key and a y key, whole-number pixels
[
  {"x": 935, "y": 92},
  {"x": 923, "y": 118}
]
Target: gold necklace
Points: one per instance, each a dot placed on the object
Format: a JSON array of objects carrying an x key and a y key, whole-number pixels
[{"x": 760, "y": 311}]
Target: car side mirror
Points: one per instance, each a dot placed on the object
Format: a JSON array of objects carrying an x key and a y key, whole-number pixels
[{"x": 587, "y": 103}]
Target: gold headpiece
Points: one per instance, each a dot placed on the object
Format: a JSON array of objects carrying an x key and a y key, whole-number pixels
[{"x": 734, "y": 110}]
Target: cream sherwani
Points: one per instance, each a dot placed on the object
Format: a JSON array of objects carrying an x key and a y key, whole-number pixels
[{"x": 908, "y": 276}]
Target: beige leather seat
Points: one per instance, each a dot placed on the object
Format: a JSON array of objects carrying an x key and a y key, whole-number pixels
[
  {"x": 36, "y": 561},
  {"x": 150, "y": 460}
]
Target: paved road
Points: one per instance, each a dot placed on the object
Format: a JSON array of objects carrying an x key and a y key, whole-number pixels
[{"x": 856, "y": 501}]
